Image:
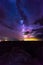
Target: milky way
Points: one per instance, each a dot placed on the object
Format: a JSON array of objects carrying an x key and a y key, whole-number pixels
[
  {"x": 33, "y": 8},
  {"x": 12, "y": 11}
]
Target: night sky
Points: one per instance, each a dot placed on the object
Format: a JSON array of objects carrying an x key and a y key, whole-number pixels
[
  {"x": 12, "y": 11},
  {"x": 33, "y": 9}
]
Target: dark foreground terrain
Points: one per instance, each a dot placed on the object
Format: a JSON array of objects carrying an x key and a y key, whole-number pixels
[{"x": 21, "y": 54}]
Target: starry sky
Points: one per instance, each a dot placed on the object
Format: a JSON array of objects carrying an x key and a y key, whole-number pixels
[
  {"x": 31, "y": 9},
  {"x": 12, "y": 11}
]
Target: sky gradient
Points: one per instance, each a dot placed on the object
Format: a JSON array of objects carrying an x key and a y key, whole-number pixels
[{"x": 12, "y": 11}]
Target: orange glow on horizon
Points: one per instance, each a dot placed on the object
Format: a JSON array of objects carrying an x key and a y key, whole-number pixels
[{"x": 31, "y": 39}]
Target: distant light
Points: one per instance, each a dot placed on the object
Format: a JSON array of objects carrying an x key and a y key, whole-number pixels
[
  {"x": 31, "y": 39},
  {"x": 6, "y": 39}
]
